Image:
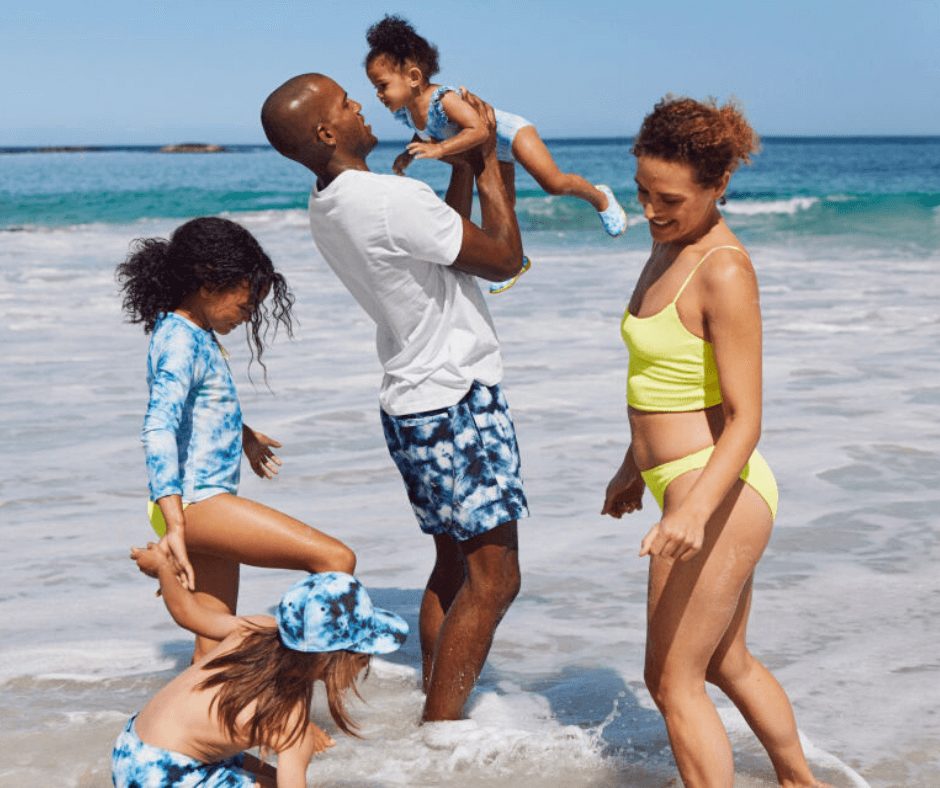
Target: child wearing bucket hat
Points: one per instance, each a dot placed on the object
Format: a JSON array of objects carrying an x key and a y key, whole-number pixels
[{"x": 255, "y": 688}]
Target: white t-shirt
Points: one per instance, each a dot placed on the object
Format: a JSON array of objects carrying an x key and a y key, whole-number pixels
[{"x": 391, "y": 241}]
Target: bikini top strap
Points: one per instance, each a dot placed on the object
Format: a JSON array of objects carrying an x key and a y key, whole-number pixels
[{"x": 704, "y": 258}]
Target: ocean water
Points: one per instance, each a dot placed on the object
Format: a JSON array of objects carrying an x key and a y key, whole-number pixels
[{"x": 845, "y": 236}]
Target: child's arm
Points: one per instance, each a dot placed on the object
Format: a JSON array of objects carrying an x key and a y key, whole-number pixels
[
  {"x": 473, "y": 131},
  {"x": 257, "y": 448},
  {"x": 181, "y": 603},
  {"x": 292, "y": 762}
]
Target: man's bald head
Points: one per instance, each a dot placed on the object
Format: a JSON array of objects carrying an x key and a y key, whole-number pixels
[{"x": 290, "y": 116}]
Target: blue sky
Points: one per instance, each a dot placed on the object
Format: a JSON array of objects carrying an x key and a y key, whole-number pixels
[{"x": 122, "y": 72}]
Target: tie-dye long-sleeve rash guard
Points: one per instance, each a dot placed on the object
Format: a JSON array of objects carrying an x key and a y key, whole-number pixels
[{"x": 192, "y": 432}]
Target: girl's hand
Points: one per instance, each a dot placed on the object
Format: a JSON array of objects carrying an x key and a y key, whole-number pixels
[
  {"x": 675, "y": 536},
  {"x": 149, "y": 559},
  {"x": 424, "y": 150},
  {"x": 322, "y": 741},
  {"x": 625, "y": 491},
  {"x": 401, "y": 163},
  {"x": 173, "y": 547},
  {"x": 257, "y": 448}
]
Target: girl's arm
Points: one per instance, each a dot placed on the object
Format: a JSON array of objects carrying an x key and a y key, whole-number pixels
[
  {"x": 173, "y": 542},
  {"x": 173, "y": 375},
  {"x": 180, "y": 601},
  {"x": 473, "y": 130},
  {"x": 292, "y": 761},
  {"x": 732, "y": 317}
]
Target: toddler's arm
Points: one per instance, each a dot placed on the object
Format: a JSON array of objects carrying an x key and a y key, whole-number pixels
[
  {"x": 473, "y": 130},
  {"x": 180, "y": 601}
]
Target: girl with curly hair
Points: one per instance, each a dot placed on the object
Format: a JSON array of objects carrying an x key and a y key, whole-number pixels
[{"x": 206, "y": 280}]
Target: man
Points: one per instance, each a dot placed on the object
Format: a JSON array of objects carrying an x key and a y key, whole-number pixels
[{"x": 411, "y": 261}]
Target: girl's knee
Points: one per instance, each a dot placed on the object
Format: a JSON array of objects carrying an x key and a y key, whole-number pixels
[{"x": 337, "y": 557}]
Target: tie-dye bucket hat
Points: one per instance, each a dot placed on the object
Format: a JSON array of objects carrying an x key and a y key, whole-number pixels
[{"x": 330, "y": 611}]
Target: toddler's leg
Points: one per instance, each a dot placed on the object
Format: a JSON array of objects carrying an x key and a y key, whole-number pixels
[
  {"x": 529, "y": 150},
  {"x": 534, "y": 156}
]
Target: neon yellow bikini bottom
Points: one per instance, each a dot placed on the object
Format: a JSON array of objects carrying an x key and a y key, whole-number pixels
[
  {"x": 756, "y": 473},
  {"x": 156, "y": 518}
]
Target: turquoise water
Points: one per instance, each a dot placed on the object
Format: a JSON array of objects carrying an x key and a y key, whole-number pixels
[
  {"x": 865, "y": 192},
  {"x": 844, "y": 238}
]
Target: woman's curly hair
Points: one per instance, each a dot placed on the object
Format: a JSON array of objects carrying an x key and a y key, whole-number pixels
[
  {"x": 395, "y": 38},
  {"x": 220, "y": 254},
  {"x": 712, "y": 140}
]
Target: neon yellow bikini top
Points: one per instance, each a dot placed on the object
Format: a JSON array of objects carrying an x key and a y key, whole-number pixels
[{"x": 671, "y": 370}]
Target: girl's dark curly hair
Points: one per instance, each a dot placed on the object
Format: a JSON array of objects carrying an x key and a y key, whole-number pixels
[
  {"x": 712, "y": 140},
  {"x": 210, "y": 251},
  {"x": 395, "y": 38}
]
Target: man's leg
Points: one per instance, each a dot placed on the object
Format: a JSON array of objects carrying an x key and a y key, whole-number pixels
[
  {"x": 445, "y": 581},
  {"x": 490, "y": 582}
]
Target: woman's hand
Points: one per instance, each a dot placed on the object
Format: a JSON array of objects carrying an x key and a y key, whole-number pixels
[
  {"x": 625, "y": 491},
  {"x": 257, "y": 448},
  {"x": 402, "y": 160},
  {"x": 675, "y": 536},
  {"x": 424, "y": 150}
]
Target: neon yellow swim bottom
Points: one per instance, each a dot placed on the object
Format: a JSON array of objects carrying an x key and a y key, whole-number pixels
[
  {"x": 756, "y": 473},
  {"x": 156, "y": 518}
]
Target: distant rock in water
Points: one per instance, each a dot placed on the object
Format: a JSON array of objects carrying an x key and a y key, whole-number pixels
[{"x": 192, "y": 147}]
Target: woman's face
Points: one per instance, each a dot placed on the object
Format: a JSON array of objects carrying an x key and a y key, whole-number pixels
[{"x": 677, "y": 207}]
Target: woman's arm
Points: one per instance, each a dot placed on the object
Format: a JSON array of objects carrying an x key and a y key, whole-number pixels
[
  {"x": 625, "y": 491},
  {"x": 732, "y": 321},
  {"x": 473, "y": 130}
]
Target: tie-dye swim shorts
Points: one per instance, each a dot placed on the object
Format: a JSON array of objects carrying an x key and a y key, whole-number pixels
[
  {"x": 460, "y": 464},
  {"x": 138, "y": 765}
]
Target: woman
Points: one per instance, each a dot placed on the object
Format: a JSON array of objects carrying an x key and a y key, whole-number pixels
[{"x": 693, "y": 330}]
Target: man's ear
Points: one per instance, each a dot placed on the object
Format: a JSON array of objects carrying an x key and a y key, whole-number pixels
[{"x": 325, "y": 135}]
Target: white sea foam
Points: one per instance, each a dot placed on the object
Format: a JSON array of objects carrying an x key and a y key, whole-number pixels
[{"x": 756, "y": 208}]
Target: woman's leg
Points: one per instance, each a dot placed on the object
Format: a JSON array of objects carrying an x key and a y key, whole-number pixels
[
  {"x": 529, "y": 150},
  {"x": 691, "y": 607},
  {"x": 760, "y": 698},
  {"x": 225, "y": 531}
]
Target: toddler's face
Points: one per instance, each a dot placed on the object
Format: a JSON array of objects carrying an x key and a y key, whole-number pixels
[{"x": 393, "y": 85}]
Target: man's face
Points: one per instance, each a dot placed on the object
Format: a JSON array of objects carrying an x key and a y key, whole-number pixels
[{"x": 349, "y": 128}]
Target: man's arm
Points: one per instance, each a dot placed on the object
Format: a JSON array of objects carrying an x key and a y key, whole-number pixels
[{"x": 493, "y": 250}]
